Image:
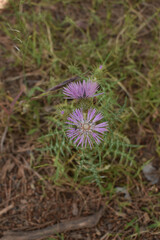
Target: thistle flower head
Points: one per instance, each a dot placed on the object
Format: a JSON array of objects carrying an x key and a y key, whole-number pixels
[
  {"x": 81, "y": 90},
  {"x": 62, "y": 112},
  {"x": 85, "y": 129}
]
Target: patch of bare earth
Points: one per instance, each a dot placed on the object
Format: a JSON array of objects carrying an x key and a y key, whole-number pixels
[{"x": 26, "y": 206}]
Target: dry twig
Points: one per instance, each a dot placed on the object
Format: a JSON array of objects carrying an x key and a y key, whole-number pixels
[
  {"x": 6, "y": 209},
  {"x": 63, "y": 84},
  {"x": 3, "y": 138},
  {"x": 83, "y": 222},
  {"x": 57, "y": 87}
]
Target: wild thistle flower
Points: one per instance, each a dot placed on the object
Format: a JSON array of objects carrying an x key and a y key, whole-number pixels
[
  {"x": 81, "y": 90},
  {"x": 62, "y": 112},
  {"x": 85, "y": 129}
]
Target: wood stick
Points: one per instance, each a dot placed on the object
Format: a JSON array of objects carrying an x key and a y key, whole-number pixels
[
  {"x": 63, "y": 84},
  {"x": 75, "y": 224},
  {"x": 56, "y": 87}
]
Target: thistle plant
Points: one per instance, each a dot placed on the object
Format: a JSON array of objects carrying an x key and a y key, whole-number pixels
[
  {"x": 84, "y": 128},
  {"x": 85, "y": 123}
]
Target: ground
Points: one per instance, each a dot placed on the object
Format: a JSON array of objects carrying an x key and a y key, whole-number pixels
[{"x": 45, "y": 179}]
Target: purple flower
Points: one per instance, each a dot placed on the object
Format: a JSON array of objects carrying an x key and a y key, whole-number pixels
[
  {"x": 101, "y": 66},
  {"x": 84, "y": 128},
  {"x": 81, "y": 90},
  {"x": 62, "y": 112}
]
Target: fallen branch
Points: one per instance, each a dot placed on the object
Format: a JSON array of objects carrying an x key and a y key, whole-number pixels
[{"x": 83, "y": 222}]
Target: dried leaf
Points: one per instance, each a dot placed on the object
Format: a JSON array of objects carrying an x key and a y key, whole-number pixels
[
  {"x": 7, "y": 168},
  {"x": 125, "y": 191},
  {"x": 146, "y": 218},
  {"x": 151, "y": 173},
  {"x": 21, "y": 173}
]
